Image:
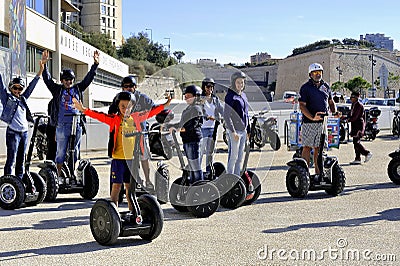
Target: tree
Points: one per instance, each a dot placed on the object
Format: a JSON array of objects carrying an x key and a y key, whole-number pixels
[
  {"x": 337, "y": 86},
  {"x": 357, "y": 84},
  {"x": 101, "y": 41},
  {"x": 179, "y": 55}
]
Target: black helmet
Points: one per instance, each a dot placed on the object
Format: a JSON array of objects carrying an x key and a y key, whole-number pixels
[
  {"x": 128, "y": 80},
  {"x": 67, "y": 74},
  {"x": 16, "y": 80},
  {"x": 193, "y": 89},
  {"x": 165, "y": 116},
  {"x": 207, "y": 81},
  {"x": 121, "y": 96}
]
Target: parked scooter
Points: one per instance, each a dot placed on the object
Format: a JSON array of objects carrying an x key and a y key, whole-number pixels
[
  {"x": 31, "y": 189},
  {"x": 393, "y": 168},
  {"x": 84, "y": 179},
  {"x": 264, "y": 130},
  {"x": 371, "y": 123},
  {"x": 160, "y": 140},
  {"x": 396, "y": 123}
]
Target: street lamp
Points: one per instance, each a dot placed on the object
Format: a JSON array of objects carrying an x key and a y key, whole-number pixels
[
  {"x": 340, "y": 71},
  {"x": 373, "y": 63},
  {"x": 169, "y": 45},
  {"x": 151, "y": 34}
]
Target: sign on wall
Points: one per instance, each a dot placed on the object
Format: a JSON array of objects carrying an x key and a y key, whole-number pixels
[{"x": 18, "y": 37}]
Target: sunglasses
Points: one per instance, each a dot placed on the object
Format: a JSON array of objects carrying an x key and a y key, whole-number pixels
[
  {"x": 17, "y": 88},
  {"x": 317, "y": 72},
  {"x": 209, "y": 86},
  {"x": 68, "y": 80},
  {"x": 129, "y": 86}
]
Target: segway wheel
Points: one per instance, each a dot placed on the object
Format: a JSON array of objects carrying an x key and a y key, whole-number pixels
[
  {"x": 256, "y": 187},
  {"x": 297, "y": 181},
  {"x": 12, "y": 192},
  {"x": 152, "y": 214},
  {"x": 40, "y": 186},
  {"x": 91, "y": 186},
  {"x": 393, "y": 170},
  {"x": 274, "y": 141},
  {"x": 175, "y": 196},
  {"x": 232, "y": 190},
  {"x": 219, "y": 169},
  {"x": 338, "y": 181},
  {"x": 105, "y": 222},
  {"x": 51, "y": 179},
  {"x": 203, "y": 199}
]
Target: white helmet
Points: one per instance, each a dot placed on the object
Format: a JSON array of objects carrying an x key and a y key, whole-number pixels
[{"x": 314, "y": 67}]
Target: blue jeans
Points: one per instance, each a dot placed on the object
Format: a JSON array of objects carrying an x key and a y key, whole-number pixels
[
  {"x": 192, "y": 150},
  {"x": 207, "y": 147},
  {"x": 16, "y": 143},
  {"x": 63, "y": 132},
  {"x": 235, "y": 151}
]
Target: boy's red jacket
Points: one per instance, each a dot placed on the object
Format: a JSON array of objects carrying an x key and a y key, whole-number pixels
[{"x": 114, "y": 120}]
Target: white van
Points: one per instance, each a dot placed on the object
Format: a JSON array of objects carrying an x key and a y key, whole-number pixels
[{"x": 289, "y": 96}]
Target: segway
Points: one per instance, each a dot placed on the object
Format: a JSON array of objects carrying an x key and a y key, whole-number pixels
[
  {"x": 331, "y": 179},
  {"x": 232, "y": 188},
  {"x": 200, "y": 198},
  {"x": 84, "y": 180},
  {"x": 146, "y": 219},
  {"x": 393, "y": 168},
  {"x": 31, "y": 190}
]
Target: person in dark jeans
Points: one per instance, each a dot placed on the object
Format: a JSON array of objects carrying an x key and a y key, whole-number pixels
[
  {"x": 190, "y": 131},
  {"x": 62, "y": 106},
  {"x": 356, "y": 119},
  {"x": 16, "y": 115},
  {"x": 51, "y": 136}
]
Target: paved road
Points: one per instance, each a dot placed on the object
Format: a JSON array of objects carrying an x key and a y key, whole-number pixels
[{"x": 275, "y": 230}]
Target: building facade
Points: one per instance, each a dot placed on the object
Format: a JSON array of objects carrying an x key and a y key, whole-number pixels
[
  {"x": 379, "y": 40},
  {"x": 259, "y": 58},
  {"x": 103, "y": 16}
]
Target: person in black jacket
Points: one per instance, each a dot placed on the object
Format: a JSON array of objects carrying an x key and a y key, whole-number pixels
[
  {"x": 190, "y": 131},
  {"x": 62, "y": 107},
  {"x": 356, "y": 119}
]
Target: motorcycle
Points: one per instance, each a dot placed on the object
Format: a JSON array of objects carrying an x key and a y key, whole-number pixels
[
  {"x": 262, "y": 130},
  {"x": 41, "y": 138},
  {"x": 396, "y": 123},
  {"x": 371, "y": 125}
]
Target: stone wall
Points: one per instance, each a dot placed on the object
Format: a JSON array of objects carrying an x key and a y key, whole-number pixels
[
  {"x": 293, "y": 71},
  {"x": 155, "y": 87}
]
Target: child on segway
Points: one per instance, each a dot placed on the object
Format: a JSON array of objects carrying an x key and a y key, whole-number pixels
[{"x": 122, "y": 147}]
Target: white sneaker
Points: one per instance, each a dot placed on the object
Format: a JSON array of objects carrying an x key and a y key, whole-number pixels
[
  {"x": 355, "y": 162},
  {"x": 368, "y": 157}
]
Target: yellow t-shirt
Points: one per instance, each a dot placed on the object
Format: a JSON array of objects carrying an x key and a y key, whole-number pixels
[{"x": 124, "y": 146}]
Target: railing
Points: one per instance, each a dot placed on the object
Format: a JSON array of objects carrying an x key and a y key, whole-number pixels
[{"x": 71, "y": 30}]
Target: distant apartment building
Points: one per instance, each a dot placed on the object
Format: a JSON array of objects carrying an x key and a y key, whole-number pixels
[
  {"x": 259, "y": 58},
  {"x": 103, "y": 16},
  {"x": 379, "y": 40}
]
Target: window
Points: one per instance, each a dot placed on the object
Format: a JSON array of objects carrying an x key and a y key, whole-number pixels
[
  {"x": 108, "y": 11},
  {"x": 33, "y": 55},
  {"x": 107, "y": 78},
  {"x": 113, "y": 12},
  {"x": 109, "y": 24},
  {"x": 103, "y": 19},
  {"x": 4, "y": 40},
  {"x": 114, "y": 23},
  {"x": 103, "y": 10},
  {"x": 113, "y": 34},
  {"x": 41, "y": 6}
]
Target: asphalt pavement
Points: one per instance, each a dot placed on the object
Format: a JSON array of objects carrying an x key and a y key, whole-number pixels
[{"x": 358, "y": 227}]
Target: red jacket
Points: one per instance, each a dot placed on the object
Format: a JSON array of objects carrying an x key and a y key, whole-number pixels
[{"x": 114, "y": 120}]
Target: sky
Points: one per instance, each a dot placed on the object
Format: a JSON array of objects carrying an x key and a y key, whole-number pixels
[{"x": 231, "y": 31}]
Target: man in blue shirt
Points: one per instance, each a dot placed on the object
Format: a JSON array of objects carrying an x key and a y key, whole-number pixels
[
  {"x": 315, "y": 98},
  {"x": 17, "y": 115},
  {"x": 62, "y": 106}
]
